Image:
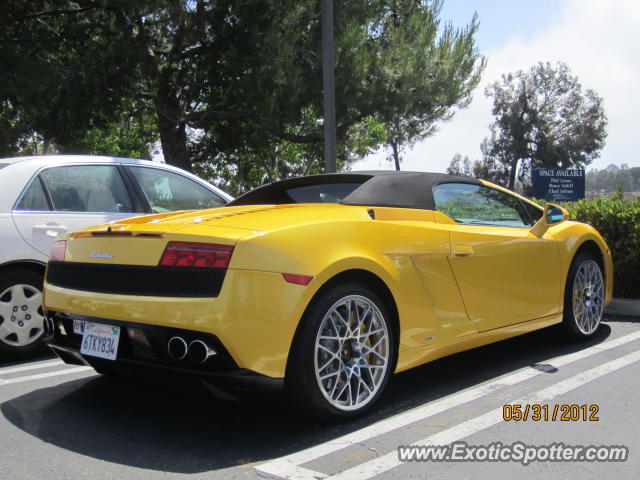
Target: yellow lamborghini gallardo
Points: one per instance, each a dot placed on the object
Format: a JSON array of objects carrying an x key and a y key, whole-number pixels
[{"x": 324, "y": 285}]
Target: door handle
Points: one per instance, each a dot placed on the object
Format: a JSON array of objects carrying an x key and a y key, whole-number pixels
[
  {"x": 50, "y": 230},
  {"x": 462, "y": 250}
]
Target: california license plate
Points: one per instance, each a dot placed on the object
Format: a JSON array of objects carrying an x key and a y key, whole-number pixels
[{"x": 100, "y": 340}]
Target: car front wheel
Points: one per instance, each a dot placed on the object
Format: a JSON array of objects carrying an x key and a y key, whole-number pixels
[
  {"x": 344, "y": 353},
  {"x": 584, "y": 297},
  {"x": 21, "y": 315}
]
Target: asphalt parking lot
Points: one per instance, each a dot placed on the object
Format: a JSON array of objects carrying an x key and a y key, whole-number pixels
[{"x": 59, "y": 421}]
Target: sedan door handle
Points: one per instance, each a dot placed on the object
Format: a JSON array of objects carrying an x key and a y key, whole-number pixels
[
  {"x": 50, "y": 230},
  {"x": 462, "y": 250}
]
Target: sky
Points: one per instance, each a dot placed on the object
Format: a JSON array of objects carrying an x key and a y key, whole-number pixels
[{"x": 597, "y": 39}]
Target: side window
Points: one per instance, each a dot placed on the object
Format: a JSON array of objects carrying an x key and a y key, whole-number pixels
[
  {"x": 480, "y": 205},
  {"x": 87, "y": 188},
  {"x": 34, "y": 199},
  {"x": 168, "y": 192}
]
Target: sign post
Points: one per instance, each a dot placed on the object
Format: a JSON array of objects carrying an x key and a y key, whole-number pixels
[{"x": 557, "y": 184}]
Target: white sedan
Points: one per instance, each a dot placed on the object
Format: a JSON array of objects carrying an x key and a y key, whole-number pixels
[{"x": 42, "y": 197}]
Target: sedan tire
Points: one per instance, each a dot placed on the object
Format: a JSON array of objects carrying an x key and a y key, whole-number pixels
[{"x": 21, "y": 315}]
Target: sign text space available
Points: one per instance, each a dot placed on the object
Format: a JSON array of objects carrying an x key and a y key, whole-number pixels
[{"x": 555, "y": 184}]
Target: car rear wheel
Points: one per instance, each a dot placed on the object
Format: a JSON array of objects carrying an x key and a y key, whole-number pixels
[
  {"x": 584, "y": 297},
  {"x": 344, "y": 353},
  {"x": 21, "y": 315}
]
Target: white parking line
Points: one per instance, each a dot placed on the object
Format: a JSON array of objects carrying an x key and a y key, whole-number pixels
[
  {"x": 294, "y": 472},
  {"x": 39, "y": 376},
  {"x": 284, "y": 467},
  {"x": 31, "y": 366},
  {"x": 390, "y": 460}
]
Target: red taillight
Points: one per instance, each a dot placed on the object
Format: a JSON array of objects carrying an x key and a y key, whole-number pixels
[
  {"x": 199, "y": 255},
  {"x": 58, "y": 250},
  {"x": 297, "y": 279}
]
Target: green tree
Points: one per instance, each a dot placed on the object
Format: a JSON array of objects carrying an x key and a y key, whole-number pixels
[
  {"x": 424, "y": 71},
  {"x": 235, "y": 85},
  {"x": 59, "y": 70},
  {"x": 238, "y": 166},
  {"x": 543, "y": 119},
  {"x": 396, "y": 77},
  {"x": 132, "y": 135},
  {"x": 486, "y": 170},
  {"x": 16, "y": 135}
]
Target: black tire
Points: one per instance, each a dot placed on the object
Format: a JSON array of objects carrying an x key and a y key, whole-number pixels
[
  {"x": 572, "y": 324},
  {"x": 37, "y": 347},
  {"x": 302, "y": 385}
]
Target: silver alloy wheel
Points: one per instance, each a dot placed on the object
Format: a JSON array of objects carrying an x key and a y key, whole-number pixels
[
  {"x": 352, "y": 353},
  {"x": 21, "y": 315},
  {"x": 588, "y": 297}
]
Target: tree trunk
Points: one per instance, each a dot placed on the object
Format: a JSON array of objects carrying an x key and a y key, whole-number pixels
[
  {"x": 171, "y": 126},
  {"x": 396, "y": 156},
  {"x": 173, "y": 137},
  {"x": 171, "y": 121}
]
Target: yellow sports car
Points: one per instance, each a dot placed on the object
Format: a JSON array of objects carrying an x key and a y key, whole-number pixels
[{"x": 324, "y": 285}]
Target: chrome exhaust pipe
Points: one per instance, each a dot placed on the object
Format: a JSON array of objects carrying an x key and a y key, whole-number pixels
[
  {"x": 199, "y": 351},
  {"x": 177, "y": 348}
]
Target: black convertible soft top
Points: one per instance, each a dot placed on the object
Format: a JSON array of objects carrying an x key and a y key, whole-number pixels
[{"x": 384, "y": 188}]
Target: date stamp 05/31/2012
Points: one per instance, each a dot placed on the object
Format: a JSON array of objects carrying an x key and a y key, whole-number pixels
[{"x": 550, "y": 413}]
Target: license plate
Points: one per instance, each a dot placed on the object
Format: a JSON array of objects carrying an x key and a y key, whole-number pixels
[{"x": 100, "y": 340}]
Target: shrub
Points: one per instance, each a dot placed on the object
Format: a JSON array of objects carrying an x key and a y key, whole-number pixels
[{"x": 618, "y": 221}]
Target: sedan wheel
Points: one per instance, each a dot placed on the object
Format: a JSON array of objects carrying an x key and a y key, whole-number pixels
[
  {"x": 343, "y": 354},
  {"x": 21, "y": 315},
  {"x": 584, "y": 297}
]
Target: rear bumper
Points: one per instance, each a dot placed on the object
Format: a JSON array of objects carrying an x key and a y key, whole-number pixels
[
  {"x": 142, "y": 348},
  {"x": 254, "y": 316}
]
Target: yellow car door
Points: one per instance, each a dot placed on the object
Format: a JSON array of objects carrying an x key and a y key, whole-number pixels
[{"x": 505, "y": 273}]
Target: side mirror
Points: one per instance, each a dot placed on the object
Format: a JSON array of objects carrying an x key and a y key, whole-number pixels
[{"x": 553, "y": 215}]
